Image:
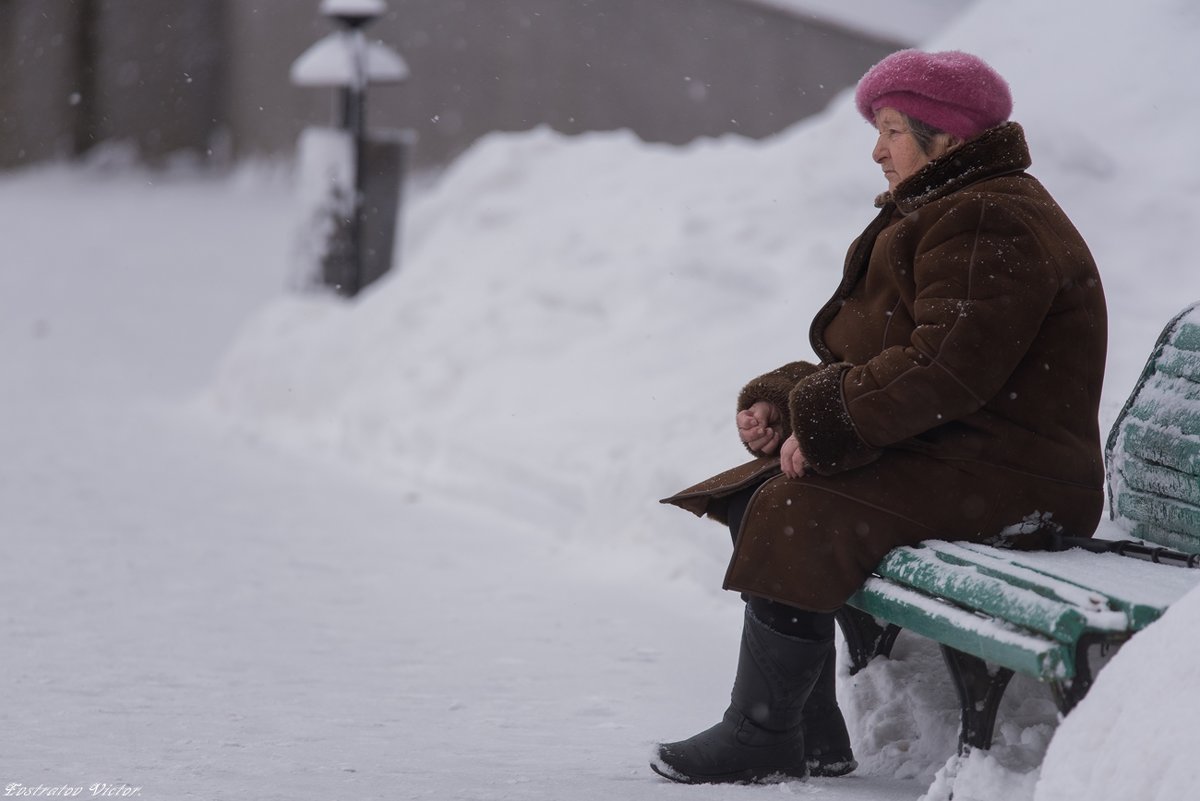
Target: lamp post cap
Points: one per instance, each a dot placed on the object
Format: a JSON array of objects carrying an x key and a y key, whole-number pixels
[
  {"x": 330, "y": 62},
  {"x": 353, "y": 12}
]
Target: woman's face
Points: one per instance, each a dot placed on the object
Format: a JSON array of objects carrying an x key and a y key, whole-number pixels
[{"x": 896, "y": 150}]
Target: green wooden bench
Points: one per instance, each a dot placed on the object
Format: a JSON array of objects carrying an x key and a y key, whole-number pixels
[{"x": 1058, "y": 615}]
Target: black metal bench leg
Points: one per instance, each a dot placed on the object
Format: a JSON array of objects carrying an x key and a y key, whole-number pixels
[
  {"x": 979, "y": 692},
  {"x": 865, "y": 637},
  {"x": 1070, "y": 692}
]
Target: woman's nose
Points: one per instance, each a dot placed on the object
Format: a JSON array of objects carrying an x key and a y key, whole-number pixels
[{"x": 879, "y": 152}]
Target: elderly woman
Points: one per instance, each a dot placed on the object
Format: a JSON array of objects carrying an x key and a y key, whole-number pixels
[{"x": 956, "y": 397}]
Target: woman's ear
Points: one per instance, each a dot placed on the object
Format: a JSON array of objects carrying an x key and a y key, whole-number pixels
[{"x": 942, "y": 144}]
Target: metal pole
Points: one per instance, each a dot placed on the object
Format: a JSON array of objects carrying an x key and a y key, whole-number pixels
[
  {"x": 1136, "y": 550},
  {"x": 358, "y": 124}
]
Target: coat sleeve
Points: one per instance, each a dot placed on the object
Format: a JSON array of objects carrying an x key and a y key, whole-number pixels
[
  {"x": 775, "y": 387},
  {"x": 984, "y": 283}
]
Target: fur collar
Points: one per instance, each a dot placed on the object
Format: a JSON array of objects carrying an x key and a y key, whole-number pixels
[{"x": 997, "y": 151}]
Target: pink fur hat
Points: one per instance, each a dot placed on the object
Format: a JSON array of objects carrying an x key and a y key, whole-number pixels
[{"x": 953, "y": 91}]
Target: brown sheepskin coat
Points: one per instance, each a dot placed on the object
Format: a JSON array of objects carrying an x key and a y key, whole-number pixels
[{"x": 961, "y": 361}]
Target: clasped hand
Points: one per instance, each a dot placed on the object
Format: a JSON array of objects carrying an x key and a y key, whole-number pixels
[{"x": 761, "y": 428}]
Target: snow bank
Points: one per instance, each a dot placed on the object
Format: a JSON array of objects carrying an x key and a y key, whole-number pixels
[
  {"x": 1136, "y": 734},
  {"x": 574, "y": 317},
  {"x": 570, "y": 323}
]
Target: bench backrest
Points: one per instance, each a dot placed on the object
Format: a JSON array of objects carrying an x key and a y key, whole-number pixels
[{"x": 1153, "y": 451}]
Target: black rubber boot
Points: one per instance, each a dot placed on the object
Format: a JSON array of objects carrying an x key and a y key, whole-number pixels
[
  {"x": 826, "y": 741},
  {"x": 760, "y": 738}
]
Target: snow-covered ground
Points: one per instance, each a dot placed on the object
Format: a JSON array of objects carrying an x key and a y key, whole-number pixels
[
  {"x": 198, "y": 615},
  {"x": 275, "y": 546}
]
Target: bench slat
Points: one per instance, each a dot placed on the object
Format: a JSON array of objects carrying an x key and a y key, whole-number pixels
[
  {"x": 981, "y": 588},
  {"x": 1161, "y": 446},
  {"x": 1172, "y": 522},
  {"x": 1100, "y": 608},
  {"x": 1087, "y": 573},
  {"x": 1179, "y": 363},
  {"x": 1168, "y": 539},
  {"x": 1186, "y": 335},
  {"x": 980, "y": 636},
  {"x": 1159, "y": 480},
  {"x": 1171, "y": 387},
  {"x": 1169, "y": 402},
  {"x": 1167, "y": 513}
]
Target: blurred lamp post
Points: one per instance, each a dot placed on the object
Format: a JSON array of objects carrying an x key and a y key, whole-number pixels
[{"x": 350, "y": 177}]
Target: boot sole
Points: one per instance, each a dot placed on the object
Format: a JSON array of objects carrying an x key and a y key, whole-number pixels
[{"x": 739, "y": 777}]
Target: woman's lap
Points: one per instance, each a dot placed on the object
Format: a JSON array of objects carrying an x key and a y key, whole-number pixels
[{"x": 811, "y": 542}]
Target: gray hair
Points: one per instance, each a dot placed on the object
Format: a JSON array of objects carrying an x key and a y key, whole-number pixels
[{"x": 922, "y": 132}]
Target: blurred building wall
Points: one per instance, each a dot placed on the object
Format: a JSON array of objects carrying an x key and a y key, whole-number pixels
[
  {"x": 76, "y": 73},
  {"x": 158, "y": 77},
  {"x": 39, "y": 100},
  {"x": 207, "y": 75}
]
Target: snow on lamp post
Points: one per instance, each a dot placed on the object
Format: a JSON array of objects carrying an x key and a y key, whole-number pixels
[{"x": 350, "y": 176}]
